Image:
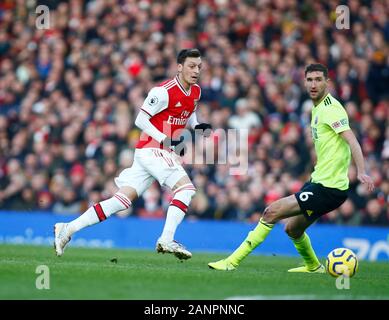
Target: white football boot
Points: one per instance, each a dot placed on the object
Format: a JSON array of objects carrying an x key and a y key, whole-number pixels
[
  {"x": 61, "y": 238},
  {"x": 173, "y": 247}
]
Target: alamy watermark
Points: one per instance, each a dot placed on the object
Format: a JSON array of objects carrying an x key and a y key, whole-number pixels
[
  {"x": 222, "y": 147},
  {"x": 42, "y": 21},
  {"x": 43, "y": 280},
  {"x": 343, "y": 281},
  {"x": 342, "y": 17}
]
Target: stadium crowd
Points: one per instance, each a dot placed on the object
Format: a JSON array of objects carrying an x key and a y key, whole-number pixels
[{"x": 69, "y": 96}]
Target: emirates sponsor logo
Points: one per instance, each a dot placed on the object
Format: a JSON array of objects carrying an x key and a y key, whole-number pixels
[{"x": 176, "y": 121}]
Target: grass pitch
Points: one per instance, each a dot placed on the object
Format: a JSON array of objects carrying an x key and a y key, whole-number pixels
[{"x": 145, "y": 275}]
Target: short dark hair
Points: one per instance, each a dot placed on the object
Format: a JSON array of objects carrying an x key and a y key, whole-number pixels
[
  {"x": 317, "y": 67},
  {"x": 185, "y": 53}
]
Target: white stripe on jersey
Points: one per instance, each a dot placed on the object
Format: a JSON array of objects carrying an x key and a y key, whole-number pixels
[{"x": 169, "y": 85}]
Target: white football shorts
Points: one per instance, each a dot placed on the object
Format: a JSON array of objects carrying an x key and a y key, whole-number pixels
[{"x": 151, "y": 164}]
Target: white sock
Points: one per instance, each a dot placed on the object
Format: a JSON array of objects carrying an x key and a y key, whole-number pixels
[
  {"x": 176, "y": 212},
  {"x": 99, "y": 212},
  {"x": 174, "y": 217}
]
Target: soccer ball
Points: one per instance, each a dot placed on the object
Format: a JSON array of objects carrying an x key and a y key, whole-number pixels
[{"x": 341, "y": 261}]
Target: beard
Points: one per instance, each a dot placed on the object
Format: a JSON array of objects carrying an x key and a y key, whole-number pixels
[{"x": 319, "y": 95}]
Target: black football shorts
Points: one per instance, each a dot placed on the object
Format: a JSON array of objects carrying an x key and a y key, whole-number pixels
[{"x": 316, "y": 200}]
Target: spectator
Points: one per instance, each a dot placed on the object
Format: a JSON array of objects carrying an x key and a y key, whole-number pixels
[
  {"x": 67, "y": 203},
  {"x": 69, "y": 94},
  {"x": 375, "y": 215},
  {"x": 244, "y": 119},
  {"x": 347, "y": 215}
]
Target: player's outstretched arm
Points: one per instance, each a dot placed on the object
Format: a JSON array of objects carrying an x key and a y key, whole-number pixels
[
  {"x": 356, "y": 152},
  {"x": 142, "y": 121}
]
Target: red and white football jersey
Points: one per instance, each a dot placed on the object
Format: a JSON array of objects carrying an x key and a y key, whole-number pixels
[{"x": 169, "y": 106}]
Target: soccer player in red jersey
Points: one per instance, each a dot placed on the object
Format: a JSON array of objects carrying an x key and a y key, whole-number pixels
[{"x": 166, "y": 111}]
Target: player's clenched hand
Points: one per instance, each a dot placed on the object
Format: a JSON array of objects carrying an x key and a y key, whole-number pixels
[
  {"x": 177, "y": 145},
  {"x": 206, "y": 129},
  {"x": 365, "y": 179}
]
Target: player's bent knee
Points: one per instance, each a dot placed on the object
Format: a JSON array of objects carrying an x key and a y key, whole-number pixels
[
  {"x": 270, "y": 215},
  {"x": 182, "y": 198},
  {"x": 129, "y": 192},
  {"x": 185, "y": 194}
]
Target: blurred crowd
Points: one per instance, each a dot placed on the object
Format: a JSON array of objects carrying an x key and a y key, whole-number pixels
[{"x": 69, "y": 96}]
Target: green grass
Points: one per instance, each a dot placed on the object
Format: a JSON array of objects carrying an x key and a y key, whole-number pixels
[{"x": 89, "y": 274}]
